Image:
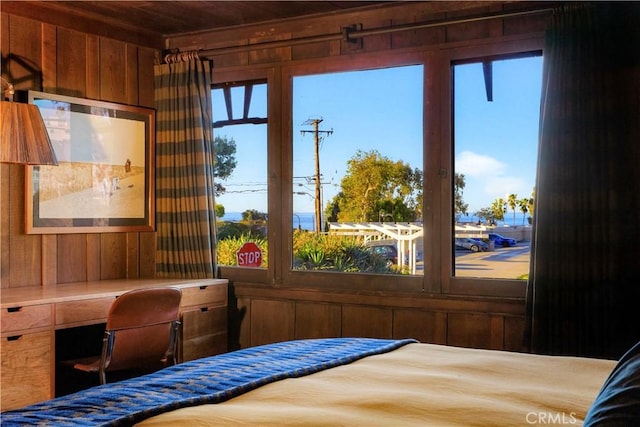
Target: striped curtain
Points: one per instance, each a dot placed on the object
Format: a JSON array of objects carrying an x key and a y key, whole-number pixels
[
  {"x": 185, "y": 204},
  {"x": 583, "y": 293}
]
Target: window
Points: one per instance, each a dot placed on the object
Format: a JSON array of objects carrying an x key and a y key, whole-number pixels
[
  {"x": 240, "y": 135},
  {"x": 496, "y": 114},
  {"x": 357, "y": 171}
]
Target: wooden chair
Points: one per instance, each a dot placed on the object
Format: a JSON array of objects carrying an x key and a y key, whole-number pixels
[{"x": 141, "y": 333}]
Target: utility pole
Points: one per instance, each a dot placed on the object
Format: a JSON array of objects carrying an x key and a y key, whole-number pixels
[{"x": 316, "y": 141}]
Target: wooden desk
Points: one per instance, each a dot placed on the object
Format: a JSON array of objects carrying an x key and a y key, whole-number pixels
[{"x": 31, "y": 315}]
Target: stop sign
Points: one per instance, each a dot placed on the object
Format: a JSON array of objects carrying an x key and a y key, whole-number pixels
[{"x": 249, "y": 255}]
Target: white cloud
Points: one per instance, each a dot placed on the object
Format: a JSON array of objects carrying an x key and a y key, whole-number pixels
[
  {"x": 485, "y": 180},
  {"x": 477, "y": 165}
]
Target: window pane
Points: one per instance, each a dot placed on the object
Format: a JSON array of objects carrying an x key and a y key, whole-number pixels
[
  {"x": 241, "y": 168},
  {"x": 357, "y": 171},
  {"x": 496, "y": 143}
]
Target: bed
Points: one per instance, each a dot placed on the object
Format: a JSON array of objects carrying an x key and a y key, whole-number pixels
[{"x": 342, "y": 381}]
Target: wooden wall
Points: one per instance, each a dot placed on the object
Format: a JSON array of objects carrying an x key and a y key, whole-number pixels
[
  {"x": 44, "y": 57},
  {"x": 37, "y": 55},
  {"x": 263, "y": 315}
]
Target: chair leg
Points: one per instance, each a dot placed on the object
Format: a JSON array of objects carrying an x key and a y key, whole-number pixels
[{"x": 106, "y": 350}]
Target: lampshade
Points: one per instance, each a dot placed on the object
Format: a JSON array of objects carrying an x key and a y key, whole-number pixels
[{"x": 23, "y": 136}]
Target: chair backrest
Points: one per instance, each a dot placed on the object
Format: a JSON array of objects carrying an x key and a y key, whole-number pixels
[{"x": 141, "y": 329}]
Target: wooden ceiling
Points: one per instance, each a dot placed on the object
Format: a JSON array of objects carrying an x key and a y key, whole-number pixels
[{"x": 149, "y": 22}]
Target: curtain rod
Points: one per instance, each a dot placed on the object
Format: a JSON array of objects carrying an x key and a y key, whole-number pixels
[{"x": 351, "y": 35}]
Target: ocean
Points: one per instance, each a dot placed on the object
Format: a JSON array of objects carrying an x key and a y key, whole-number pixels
[
  {"x": 519, "y": 219},
  {"x": 302, "y": 220},
  {"x": 306, "y": 220}
]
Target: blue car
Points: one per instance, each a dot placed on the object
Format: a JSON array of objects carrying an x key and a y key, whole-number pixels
[{"x": 499, "y": 240}]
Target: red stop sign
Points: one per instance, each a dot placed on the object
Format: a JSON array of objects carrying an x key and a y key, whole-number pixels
[{"x": 249, "y": 255}]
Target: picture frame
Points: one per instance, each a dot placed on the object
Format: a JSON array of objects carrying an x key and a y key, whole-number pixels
[{"x": 104, "y": 181}]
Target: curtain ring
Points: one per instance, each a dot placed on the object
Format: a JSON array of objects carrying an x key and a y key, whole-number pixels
[{"x": 173, "y": 58}]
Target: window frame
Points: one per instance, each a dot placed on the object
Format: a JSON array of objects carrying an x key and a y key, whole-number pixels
[
  {"x": 321, "y": 279},
  {"x": 451, "y": 284},
  {"x": 438, "y": 279},
  {"x": 267, "y": 74}
]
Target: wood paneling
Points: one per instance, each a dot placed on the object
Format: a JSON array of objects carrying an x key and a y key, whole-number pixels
[
  {"x": 41, "y": 56},
  {"x": 425, "y": 326},
  {"x": 145, "y": 73},
  {"x": 49, "y": 260},
  {"x": 317, "y": 320},
  {"x": 113, "y": 66},
  {"x": 461, "y": 323},
  {"x": 363, "y": 321},
  {"x": 469, "y": 330},
  {"x": 72, "y": 247},
  {"x": 271, "y": 321},
  {"x": 71, "y": 59},
  {"x": 49, "y": 57},
  {"x": 113, "y": 256},
  {"x": 4, "y": 226},
  {"x": 93, "y": 67},
  {"x": 147, "y": 258},
  {"x": 514, "y": 329}
]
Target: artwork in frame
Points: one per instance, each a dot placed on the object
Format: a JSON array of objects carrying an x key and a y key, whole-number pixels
[{"x": 104, "y": 181}]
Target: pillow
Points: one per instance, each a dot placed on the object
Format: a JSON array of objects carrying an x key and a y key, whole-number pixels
[{"x": 618, "y": 402}]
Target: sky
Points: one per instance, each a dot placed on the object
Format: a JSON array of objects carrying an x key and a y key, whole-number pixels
[{"x": 495, "y": 142}]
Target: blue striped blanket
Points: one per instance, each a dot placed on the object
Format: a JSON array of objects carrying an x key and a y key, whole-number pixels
[{"x": 208, "y": 380}]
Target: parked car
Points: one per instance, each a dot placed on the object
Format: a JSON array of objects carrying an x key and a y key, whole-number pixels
[
  {"x": 472, "y": 244},
  {"x": 499, "y": 240},
  {"x": 386, "y": 249}
]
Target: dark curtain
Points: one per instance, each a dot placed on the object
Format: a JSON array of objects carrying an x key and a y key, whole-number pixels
[
  {"x": 584, "y": 282},
  {"x": 185, "y": 203}
]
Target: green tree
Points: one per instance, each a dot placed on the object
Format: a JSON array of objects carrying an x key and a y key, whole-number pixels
[
  {"x": 524, "y": 204},
  {"x": 225, "y": 161},
  {"x": 498, "y": 209},
  {"x": 374, "y": 183},
  {"x": 486, "y": 214},
  {"x": 219, "y": 211},
  {"x": 252, "y": 215},
  {"x": 532, "y": 204},
  {"x": 512, "y": 202},
  {"x": 459, "y": 206}
]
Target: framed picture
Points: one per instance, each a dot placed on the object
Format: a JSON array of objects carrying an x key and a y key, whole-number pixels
[{"x": 104, "y": 181}]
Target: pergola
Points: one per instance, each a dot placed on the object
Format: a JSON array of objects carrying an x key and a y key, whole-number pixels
[{"x": 404, "y": 233}]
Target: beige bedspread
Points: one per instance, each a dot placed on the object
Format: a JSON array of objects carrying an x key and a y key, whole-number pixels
[{"x": 418, "y": 385}]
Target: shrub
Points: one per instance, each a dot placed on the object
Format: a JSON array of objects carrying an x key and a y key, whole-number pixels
[
  {"x": 328, "y": 252},
  {"x": 228, "y": 247}
]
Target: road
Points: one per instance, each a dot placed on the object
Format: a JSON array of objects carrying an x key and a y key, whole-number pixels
[{"x": 502, "y": 263}]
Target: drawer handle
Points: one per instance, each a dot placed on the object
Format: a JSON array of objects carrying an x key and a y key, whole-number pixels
[
  {"x": 13, "y": 309},
  {"x": 203, "y": 287},
  {"x": 204, "y": 309},
  {"x": 14, "y": 338}
]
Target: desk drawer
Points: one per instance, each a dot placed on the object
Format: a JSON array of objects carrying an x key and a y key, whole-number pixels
[
  {"x": 204, "y": 332},
  {"x": 205, "y": 321},
  {"x": 204, "y": 346},
  {"x": 84, "y": 311},
  {"x": 28, "y": 317},
  {"x": 26, "y": 369},
  {"x": 204, "y": 295}
]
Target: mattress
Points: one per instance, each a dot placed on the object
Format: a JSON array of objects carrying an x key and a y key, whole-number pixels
[
  {"x": 339, "y": 382},
  {"x": 417, "y": 385}
]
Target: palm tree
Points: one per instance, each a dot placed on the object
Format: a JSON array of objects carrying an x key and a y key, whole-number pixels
[
  {"x": 524, "y": 204},
  {"x": 498, "y": 208},
  {"x": 512, "y": 201}
]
